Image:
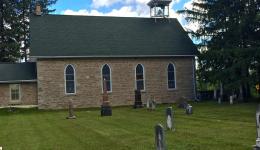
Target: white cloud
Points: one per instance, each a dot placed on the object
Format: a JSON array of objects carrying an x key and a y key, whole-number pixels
[
  {"x": 103, "y": 3},
  {"x": 188, "y": 5},
  {"x": 126, "y": 11},
  {"x": 193, "y": 26},
  {"x": 130, "y": 8}
]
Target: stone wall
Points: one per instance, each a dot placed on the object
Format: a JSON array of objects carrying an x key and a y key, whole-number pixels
[
  {"x": 28, "y": 94},
  {"x": 51, "y": 90}
]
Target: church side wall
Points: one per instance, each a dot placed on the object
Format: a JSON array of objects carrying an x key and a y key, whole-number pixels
[{"x": 51, "y": 84}]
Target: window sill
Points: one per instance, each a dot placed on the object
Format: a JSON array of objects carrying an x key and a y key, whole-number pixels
[
  {"x": 108, "y": 92},
  {"x": 172, "y": 89},
  {"x": 15, "y": 102},
  {"x": 70, "y": 94}
]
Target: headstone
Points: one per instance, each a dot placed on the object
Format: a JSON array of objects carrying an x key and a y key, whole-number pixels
[
  {"x": 148, "y": 104},
  {"x": 231, "y": 99},
  {"x": 138, "y": 99},
  {"x": 106, "y": 109},
  {"x": 182, "y": 103},
  {"x": 153, "y": 104},
  {"x": 159, "y": 138},
  {"x": 169, "y": 118},
  {"x": 257, "y": 146},
  {"x": 71, "y": 113},
  {"x": 219, "y": 100},
  {"x": 189, "y": 110},
  {"x": 215, "y": 93}
]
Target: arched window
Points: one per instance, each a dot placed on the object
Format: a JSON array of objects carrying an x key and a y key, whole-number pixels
[
  {"x": 139, "y": 77},
  {"x": 171, "y": 76},
  {"x": 106, "y": 74},
  {"x": 70, "y": 86}
]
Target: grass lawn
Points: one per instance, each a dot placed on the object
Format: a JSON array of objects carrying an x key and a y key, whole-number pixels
[{"x": 211, "y": 127}]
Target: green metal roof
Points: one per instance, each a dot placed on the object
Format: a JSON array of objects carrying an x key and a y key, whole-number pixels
[
  {"x": 17, "y": 72},
  {"x": 92, "y": 36}
]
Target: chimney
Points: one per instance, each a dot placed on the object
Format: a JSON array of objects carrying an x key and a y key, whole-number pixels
[{"x": 38, "y": 10}]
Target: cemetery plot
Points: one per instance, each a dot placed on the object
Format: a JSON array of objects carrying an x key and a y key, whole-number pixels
[{"x": 211, "y": 126}]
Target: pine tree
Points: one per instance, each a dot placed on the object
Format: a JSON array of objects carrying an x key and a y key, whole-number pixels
[
  {"x": 229, "y": 39},
  {"x": 14, "y": 27},
  {"x": 27, "y": 7},
  {"x": 9, "y": 45}
]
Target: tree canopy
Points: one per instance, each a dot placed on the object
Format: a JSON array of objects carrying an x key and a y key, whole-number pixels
[
  {"x": 229, "y": 42},
  {"x": 14, "y": 27}
]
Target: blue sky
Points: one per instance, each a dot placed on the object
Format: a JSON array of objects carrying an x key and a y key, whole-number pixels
[
  {"x": 62, "y": 5},
  {"x": 123, "y": 8}
]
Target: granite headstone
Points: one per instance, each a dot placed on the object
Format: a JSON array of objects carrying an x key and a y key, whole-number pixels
[
  {"x": 71, "y": 112},
  {"x": 257, "y": 146},
  {"x": 169, "y": 118},
  {"x": 160, "y": 137},
  {"x": 189, "y": 109}
]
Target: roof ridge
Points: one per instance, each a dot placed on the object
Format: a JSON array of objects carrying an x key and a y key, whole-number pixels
[{"x": 57, "y": 15}]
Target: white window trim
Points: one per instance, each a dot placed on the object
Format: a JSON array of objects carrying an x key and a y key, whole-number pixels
[
  {"x": 75, "y": 89},
  {"x": 110, "y": 71},
  {"x": 143, "y": 78},
  {"x": 10, "y": 89},
  {"x": 171, "y": 89}
]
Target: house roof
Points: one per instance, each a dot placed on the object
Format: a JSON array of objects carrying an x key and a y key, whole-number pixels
[
  {"x": 92, "y": 36},
  {"x": 18, "y": 72}
]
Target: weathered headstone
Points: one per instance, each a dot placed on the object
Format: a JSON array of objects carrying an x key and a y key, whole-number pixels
[
  {"x": 182, "y": 103},
  {"x": 231, "y": 99},
  {"x": 153, "y": 104},
  {"x": 148, "y": 104},
  {"x": 159, "y": 138},
  {"x": 257, "y": 146},
  {"x": 71, "y": 112},
  {"x": 189, "y": 110},
  {"x": 106, "y": 109},
  {"x": 169, "y": 118},
  {"x": 219, "y": 100},
  {"x": 138, "y": 99}
]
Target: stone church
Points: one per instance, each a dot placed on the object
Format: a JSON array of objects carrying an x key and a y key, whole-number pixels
[{"x": 71, "y": 55}]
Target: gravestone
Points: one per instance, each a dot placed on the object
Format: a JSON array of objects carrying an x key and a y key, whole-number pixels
[
  {"x": 106, "y": 109},
  {"x": 153, "y": 104},
  {"x": 189, "y": 110},
  {"x": 169, "y": 118},
  {"x": 182, "y": 103},
  {"x": 148, "y": 104},
  {"x": 219, "y": 100},
  {"x": 138, "y": 99},
  {"x": 231, "y": 99},
  {"x": 257, "y": 146},
  {"x": 71, "y": 112},
  {"x": 159, "y": 138}
]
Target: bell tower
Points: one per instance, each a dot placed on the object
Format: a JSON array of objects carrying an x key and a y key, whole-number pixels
[{"x": 159, "y": 8}]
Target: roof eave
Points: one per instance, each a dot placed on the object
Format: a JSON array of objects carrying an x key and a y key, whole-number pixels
[
  {"x": 115, "y": 56},
  {"x": 18, "y": 81}
]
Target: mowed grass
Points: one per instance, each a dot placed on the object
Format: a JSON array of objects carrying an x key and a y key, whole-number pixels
[{"x": 211, "y": 127}]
